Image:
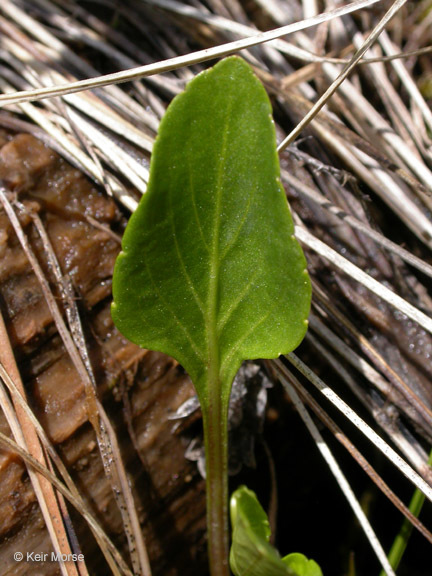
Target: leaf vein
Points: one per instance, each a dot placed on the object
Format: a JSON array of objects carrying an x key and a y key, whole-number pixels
[
  {"x": 234, "y": 305},
  {"x": 195, "y": 348},
  {"x": 181, "y": 261},
  {"x": 194, "y": 205},
  {"x": 246, "y": 335},
  {"x": 232, "y": 242}
]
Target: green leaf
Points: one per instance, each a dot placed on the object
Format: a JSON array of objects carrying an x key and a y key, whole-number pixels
[
  {"x": 251, "y": 554},
  {"x": 210, "y": 272}
]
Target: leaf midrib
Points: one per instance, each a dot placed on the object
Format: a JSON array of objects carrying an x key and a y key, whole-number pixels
[{"x": 214, "y": 282}]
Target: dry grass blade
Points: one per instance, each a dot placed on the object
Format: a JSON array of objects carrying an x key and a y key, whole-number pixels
[
  {"x": 398, "y": 385},
  {"x": 378, "y": 178},
  {"x": 174, "y": 63},
  {"x": 342, "y": 438},
  {"x": 407, "y": 81},
  {"x": 107, "y": 439},
  {"x": 362, "y": 426},
  {"x": 237, "y": 28},
  {"x": 337, "y": 260},
  {"x": 113, "y": 557},
  {"x": 338, "y": 474},
  {"x": 52, "y": 506},
  {"x": 393, "y": 389},
  {"x": 343, "y": 75},
  {"x": 284, "y": 47},
  {"x": 313, "y": 195},
  {"x": 52, "y": 479}
]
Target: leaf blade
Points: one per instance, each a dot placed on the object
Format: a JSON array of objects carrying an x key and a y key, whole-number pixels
[
  {"x": 251, "y": 554},
  {"x": 210, "y": 272}
]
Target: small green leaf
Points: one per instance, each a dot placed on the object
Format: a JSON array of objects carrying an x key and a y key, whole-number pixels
[
  {"x": 211, "y": 272},
  {"x": 251, "y": 554},
  {"x": 301, "y": 565}
]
